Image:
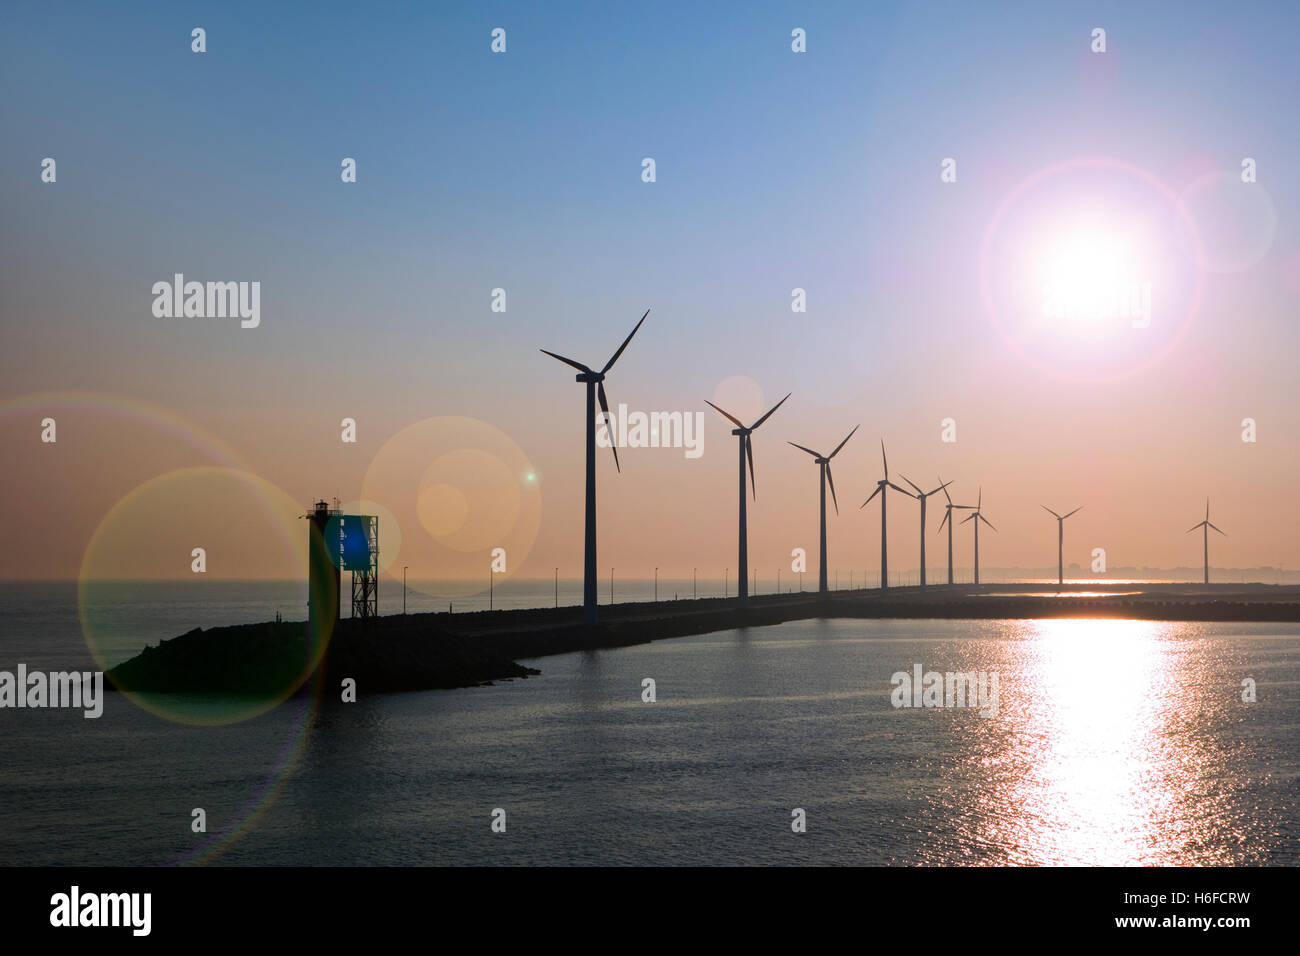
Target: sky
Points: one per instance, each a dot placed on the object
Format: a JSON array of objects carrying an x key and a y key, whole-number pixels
[{"x": 823, "y": 170}]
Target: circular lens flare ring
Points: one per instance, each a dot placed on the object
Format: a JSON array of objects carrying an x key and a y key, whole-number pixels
[
  {"x": 1082, "y": 276},
  {"x": 179, "y": 528}
]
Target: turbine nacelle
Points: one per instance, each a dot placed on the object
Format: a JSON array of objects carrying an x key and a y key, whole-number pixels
[
  {"x": 1206, "y": 523},
  {"x": 743, "y": 433},
  {"x": 825, "y": 460},
  {"x": 1060, "y": 517},
  {"x": 976, "y": 515},
  {"x": 884, "y": 483},
  {"x": 922, "y": 495},
  {"x": 587, "y": 376}
]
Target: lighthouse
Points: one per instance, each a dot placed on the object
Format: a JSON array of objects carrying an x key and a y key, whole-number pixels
[{"x": 323, "y": 574}]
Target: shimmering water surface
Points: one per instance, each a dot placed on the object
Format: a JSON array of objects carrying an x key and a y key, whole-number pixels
[{"x": 1115, "y": 742}]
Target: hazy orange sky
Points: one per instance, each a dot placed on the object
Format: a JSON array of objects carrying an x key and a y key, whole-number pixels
[{"x": 775, "y": 171}]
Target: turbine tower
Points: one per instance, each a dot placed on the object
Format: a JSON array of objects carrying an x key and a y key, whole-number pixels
[
  {"x": 746, "y": 452},
  {"x": 1205, "y": 527},
  {"x": 1060, "y": 542},
  {"x": 947, "y": 519},
  {"x": 977, "y": 516},
  {"x": 825, "y": 462},
  {"x": 921, "y": 496},
  {"x": 595, "y": 382},
  {"x": 881, "y": 485}
]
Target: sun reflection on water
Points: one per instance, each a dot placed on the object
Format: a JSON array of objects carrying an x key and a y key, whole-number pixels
[{"x": 1099, "y": 775}]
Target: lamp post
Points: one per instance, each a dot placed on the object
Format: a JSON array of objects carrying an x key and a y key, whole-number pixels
[{"x": 404, "y": 567}]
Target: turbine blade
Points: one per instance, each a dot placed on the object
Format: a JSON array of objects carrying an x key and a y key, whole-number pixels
[
  {"x": 1216, "y": 529},
  {"x": 868, "y": 501},
  {"x": 944, "y": 486},
  {"x": 946, "y": 514},
  {"x": 985, "y": 520},
  {"x": 831, "y": 481},
  {"x": 979, "y": 502},
  {"x": 749, "y": 453},
  {"x": 808, "y": 450},
  {"x": 1207, "y": 509},
  {"x": 913, "y": 484},
  {"x": 567, "y": 361},
  {"x": 610, "y": 364},
  {"x": 884, "y": 459},
  {"x": 769, "y": 412},
  {"x": 1076, "y": 510},
  {"x": 936, "y": 491},
  {"x": 969, "y": 517},
  {"x": 903, "y": 490},
  {"x": 730, "y": 418},
  {"x": 604, "y": 407},
  {"x": 841, "y": 444},
  {"x": 1050, "y": 512},
  {"x": 1194, "y": 527}
]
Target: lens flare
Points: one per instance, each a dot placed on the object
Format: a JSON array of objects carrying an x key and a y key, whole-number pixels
[
  {"x": 456, "y": 488},
  {"x": 188, "y": 527},
  {"x": 1090, "y": 270}
]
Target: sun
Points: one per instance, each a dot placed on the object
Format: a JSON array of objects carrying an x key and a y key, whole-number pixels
[
  {"x": 1085, "y": 274},
  {"x": 1091, "y": 276}
]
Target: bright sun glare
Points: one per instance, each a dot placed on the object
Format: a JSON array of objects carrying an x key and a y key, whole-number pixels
[{"x": 1089, "y": 277}]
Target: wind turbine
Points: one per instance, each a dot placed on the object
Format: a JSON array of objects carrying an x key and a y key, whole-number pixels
[
  {"x": 1060, "y": 542},
  {"x": 881, "y": 485},
  {"x": 921, "y": 496},
  {"x": 746, "y": 451},
  {"x": 595, "y": 382},
  {"x": 977, "y": 517},
  {"x": 1205, "y": 527},
  {"x": 947, "y": 519},
  {"x": 825, "y": 462}
]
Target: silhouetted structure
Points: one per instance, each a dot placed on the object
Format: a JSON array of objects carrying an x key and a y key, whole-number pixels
[
  {"x": 1060, "y": 542},
  {"x": 338, "y": 543},
  {"x": 920, "y": 496},
  {"x": 323, "y": 575},
  {"x": 977, "y": 517},
  {"x": 825, "y": 462},
  {"x": 947, "y": 519},
  {"x": 746, "y": 452},
  {"x": 595, "y": 389},
  {"x": 881, "y": 485},
  {"x": 1205, "y": 526}
]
